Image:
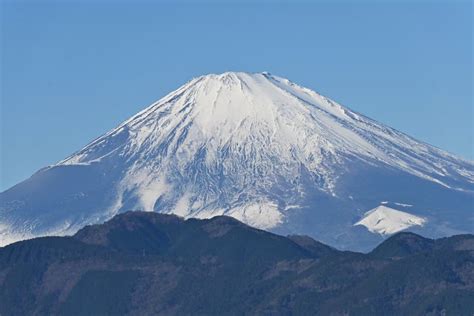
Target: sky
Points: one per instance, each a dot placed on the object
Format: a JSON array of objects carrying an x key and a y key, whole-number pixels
[{"x": 72, "y": 70}]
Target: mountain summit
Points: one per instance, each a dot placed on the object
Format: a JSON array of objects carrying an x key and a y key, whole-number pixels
[{"x": 256, "y": 147}]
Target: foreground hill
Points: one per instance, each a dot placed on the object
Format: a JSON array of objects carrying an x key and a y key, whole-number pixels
[
  {"x": 147, "y": 263},
  {"x": 261, "y": 149}
]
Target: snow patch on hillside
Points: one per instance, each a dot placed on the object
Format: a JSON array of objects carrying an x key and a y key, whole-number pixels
[
  {"x": 263, "y": 215},
  {"x": 386, "y": 221}
]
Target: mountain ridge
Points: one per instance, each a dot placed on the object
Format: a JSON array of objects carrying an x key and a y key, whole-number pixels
[{"x": 230, "y": 268}]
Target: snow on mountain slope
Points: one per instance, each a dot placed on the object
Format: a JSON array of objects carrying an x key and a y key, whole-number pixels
[
  {"x": 254, "y": 146},
  {"x": 223, "y": 111},
  {"x": 386, "y": 221}
]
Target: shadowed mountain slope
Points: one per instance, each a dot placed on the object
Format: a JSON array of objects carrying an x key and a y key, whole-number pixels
[{"x": 147, "y": 263}]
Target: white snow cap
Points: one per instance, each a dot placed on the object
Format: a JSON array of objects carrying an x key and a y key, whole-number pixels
[
  {"x": 386, "y": 221},
  {"x": 252, "y": 128},
  {"x": 265, "y": 113}
]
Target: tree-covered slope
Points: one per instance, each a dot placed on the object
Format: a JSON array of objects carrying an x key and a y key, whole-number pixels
[{"x": 147, "y": 263}]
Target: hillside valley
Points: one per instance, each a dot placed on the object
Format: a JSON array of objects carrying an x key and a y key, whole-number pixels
[{"x": 148, "y": 263}]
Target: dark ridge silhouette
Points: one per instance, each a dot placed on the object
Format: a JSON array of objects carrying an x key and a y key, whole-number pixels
[{"x": 153, "y": 264}]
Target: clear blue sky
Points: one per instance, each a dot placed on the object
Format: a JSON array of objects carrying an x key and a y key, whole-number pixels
[{"x": 70, "y": 71}]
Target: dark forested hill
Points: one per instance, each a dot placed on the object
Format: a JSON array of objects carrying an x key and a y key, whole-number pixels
[{"x": 148, "y": 263}]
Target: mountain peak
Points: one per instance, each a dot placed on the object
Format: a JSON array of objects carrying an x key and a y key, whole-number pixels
[
  {"x": 402, "y": 245},
  {"x": 235, "y": 75},
  {"x": 253, "y": 146}
]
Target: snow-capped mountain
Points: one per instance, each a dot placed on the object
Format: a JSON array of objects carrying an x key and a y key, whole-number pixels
[{"x": 256, "y": 147}]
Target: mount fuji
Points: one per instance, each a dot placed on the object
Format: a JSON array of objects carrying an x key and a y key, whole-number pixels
[{"x": 259, "y": 148}]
